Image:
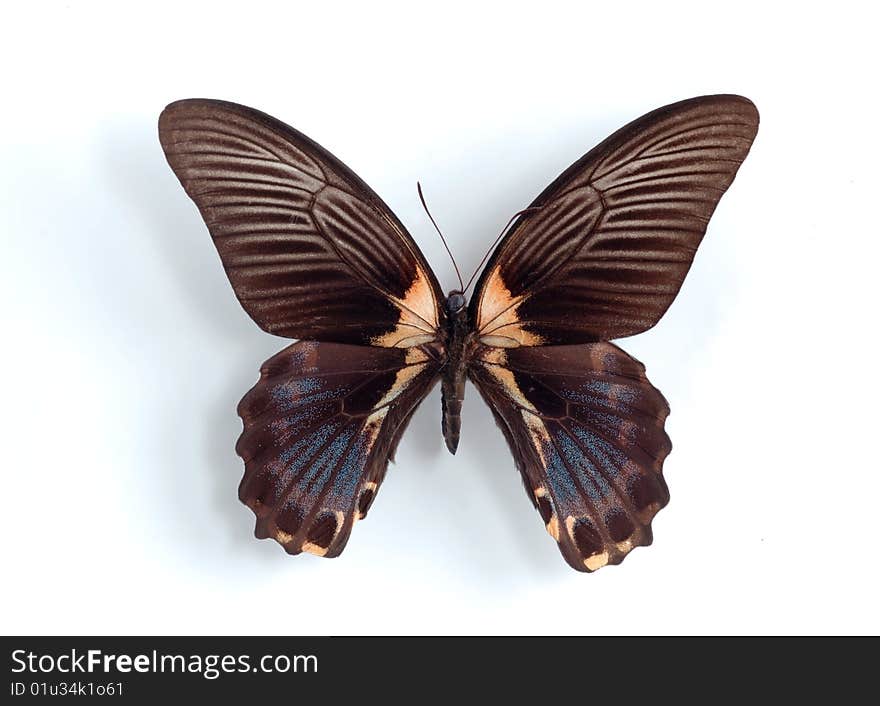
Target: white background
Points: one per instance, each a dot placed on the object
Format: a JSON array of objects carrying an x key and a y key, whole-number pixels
[{"x": 125, "y": 351}]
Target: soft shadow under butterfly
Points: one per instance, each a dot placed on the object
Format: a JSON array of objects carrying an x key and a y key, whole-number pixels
[{"x": 314, "y": 254}]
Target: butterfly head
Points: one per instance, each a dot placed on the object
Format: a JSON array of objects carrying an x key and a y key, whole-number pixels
[{"x": 455, "y": 302}]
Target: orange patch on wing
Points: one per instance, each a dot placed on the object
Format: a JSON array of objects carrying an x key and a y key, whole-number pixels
[
  {"x": 283, "y": 537},
  {"x": 505, "y": 378},
  {"x": 314, "y": 549},
  {"x": 373, "y": 424},
  {"x": 418, "y": 320},
  {"x": 553, "y": 527},
  {"x": 370, "y": 486},
  {"x": 553, "y": 523},
  {"x": 596, "y": 561},
  {"x": 415, "y": 363},
  {"x": 416, "y": 355},
  {"x": 494, "y": 356},
  {"x": 497, "y": 321},
  {"x": 626, "y": 546},
  {"x": 317, "y": 549}
]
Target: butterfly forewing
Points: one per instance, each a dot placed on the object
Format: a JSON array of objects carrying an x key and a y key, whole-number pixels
[
  {"x": 319, "y": 429},
  {"x": 603, "y": 251},
  {"x": 311, "y": 251}
]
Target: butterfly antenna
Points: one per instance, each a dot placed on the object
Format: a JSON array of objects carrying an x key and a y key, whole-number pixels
[
  {"x": 530, "y": 209},
  {"x": 436, "y": 227}
]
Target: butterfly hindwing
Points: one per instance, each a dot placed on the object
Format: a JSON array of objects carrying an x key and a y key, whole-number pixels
[
  {"x": 319, "y": 429},
  {"x": 311, "y": 251},
  {"x": 586, "y": 430},
  {"x": 603, "y": 251}
]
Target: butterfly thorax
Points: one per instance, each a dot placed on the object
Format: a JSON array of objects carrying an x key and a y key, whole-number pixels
[{"x": 458, "y": 334}]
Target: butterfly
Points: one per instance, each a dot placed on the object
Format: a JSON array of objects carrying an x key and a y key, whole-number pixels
[{"x": 314, "y": 254}]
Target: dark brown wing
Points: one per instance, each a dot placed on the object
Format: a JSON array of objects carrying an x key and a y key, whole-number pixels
[
  {"x": 609, "y": 243},
  {"x": 586, "y": 430},
  {"x": 311, "y": 251},
  {"x": 319, "y": 429}
]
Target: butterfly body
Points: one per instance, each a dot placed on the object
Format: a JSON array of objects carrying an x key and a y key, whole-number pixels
[
  {"x": 314, "y": 254},
  {"x": 458, "y": 349}
]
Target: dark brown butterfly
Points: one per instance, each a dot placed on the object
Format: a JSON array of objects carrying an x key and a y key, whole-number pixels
[{"x": 314, "y": 254}]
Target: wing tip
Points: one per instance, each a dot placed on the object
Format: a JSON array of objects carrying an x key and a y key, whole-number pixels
[
  {"x": 738, "y": 106},
  {"x": 200, "y": 103},
  {"x": 170, "y": 111},
  {"x": 731, "y": 100},
  {"x": 210, "y": 107}
]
